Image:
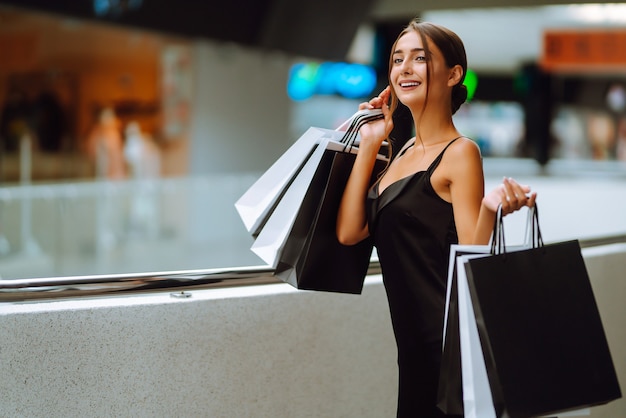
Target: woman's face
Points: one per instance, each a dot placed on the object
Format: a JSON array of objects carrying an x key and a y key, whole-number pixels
[{"x": 409, "y": 69}]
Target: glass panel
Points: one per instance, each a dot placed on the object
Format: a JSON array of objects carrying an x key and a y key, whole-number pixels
[{"x": 91, "y": 228}]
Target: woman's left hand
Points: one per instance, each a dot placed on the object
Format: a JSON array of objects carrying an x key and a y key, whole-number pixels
[{"x": 511, "y": 195}]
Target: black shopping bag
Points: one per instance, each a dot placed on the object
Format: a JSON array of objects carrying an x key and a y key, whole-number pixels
[
  {"x": 541, "y": 334},
  {"x": 313, "y": 258}
]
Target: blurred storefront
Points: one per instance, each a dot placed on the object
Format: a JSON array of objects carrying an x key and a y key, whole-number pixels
[
  {"x": 124, "y": 148},
  {"x": 58, "y": 75}
]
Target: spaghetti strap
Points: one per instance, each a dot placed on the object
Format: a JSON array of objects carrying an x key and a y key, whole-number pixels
[
  {"x": 437, "y": 160},
  {"x": 409, "y": 144}
]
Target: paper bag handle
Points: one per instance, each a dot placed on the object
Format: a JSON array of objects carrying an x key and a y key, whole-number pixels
[
  {"x": 365, "y": 113},
  {"x": 533, "y": 232}
]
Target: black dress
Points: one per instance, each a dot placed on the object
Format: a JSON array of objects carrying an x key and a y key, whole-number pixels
[{"x": 413, "y": 228}]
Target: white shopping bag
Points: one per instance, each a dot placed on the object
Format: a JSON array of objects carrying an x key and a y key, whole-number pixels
[
  {"x": 255, "y": 205},
  {"x": 457, "y": 250},
  {"x": 477, "y": 399},
  {"x": 450, "y": 389},
  {"x": 274, "y": 233},
  {"x": 271, "y": 239}
]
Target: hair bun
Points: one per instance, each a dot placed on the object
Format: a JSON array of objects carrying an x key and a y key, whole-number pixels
[{"x": 459, "y": 96}]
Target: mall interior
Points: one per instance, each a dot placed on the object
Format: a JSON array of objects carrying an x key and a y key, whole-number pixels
[{"x": 130, "y": 130}]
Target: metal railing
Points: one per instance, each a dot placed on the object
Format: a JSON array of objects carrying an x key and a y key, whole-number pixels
[{"x": 178, "y": 283}]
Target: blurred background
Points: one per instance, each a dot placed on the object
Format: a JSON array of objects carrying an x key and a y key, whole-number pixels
[{"x": 128, "y": 128}]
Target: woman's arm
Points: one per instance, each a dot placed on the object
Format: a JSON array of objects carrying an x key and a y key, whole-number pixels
[
  {"x": 352, "y": 218},
  {"x": 467, "y": 187},
  {"x": 474, "y": 212}
]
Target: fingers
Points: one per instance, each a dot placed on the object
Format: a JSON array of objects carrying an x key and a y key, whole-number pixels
[
  {"x": 511, "y": 196},
  {"x": 385, "y": 94},
  {"x": 378, "y": 102},
  {"x": 515, "y": 196}
]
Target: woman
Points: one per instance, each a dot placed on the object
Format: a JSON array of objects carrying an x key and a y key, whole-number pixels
[{"x": 430, "y": 196}]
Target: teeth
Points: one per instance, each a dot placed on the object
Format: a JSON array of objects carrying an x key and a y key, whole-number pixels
[{"x": 409, "y": 84}]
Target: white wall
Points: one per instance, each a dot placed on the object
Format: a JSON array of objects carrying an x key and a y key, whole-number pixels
[
  {"x": 262, "y": 351},
  {"x": 240, "y": 108},
  {"x": 259, "y": 351},
  {"x": 577, "y": 199}
]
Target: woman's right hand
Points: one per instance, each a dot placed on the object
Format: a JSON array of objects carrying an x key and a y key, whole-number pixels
[{"x": 375, "y": 132}]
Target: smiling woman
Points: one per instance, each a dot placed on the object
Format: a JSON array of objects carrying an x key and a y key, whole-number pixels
[{"x": 430, "y": 196}]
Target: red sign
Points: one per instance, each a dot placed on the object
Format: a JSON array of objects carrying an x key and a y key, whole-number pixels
[{"x": 587, "y": 50}]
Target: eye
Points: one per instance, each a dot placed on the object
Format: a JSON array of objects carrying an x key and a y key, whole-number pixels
[
  {"x": 420, "y": 58},
  {"x": 397, "y": 60}
]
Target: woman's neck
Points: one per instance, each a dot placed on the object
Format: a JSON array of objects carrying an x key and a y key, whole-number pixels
[{"x": 433, "y": 127}]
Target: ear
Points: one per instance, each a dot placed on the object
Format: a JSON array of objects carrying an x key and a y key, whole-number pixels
[{"x": 456, "y": 75}]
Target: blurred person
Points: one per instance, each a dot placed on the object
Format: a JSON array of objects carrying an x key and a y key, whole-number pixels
[
  {"x": 144, "y": 161},
  {"x": 430, "y": 196},
  {"x": 141, "y": 153},
  {"x": 616, "y": 102},
  {"x": 105, "y": 146},
  {"x": 601, "y": 133},
  {"x": 569, "y": 131}
]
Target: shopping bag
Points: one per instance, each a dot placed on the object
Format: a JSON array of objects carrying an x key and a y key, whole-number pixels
[
  {"x": 456, "y": 388},
  {"x": 271, "y": 239},
  {"x": 539, "y": 329},
  {"x": 259, "y": 200},
  {"x": 313, "y": 258},
  {"x": 477, "y": 397},
  {"x": 450, "y": 392}
]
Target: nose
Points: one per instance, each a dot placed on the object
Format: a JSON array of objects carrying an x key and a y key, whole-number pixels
[{"x": 406, "y": 67}]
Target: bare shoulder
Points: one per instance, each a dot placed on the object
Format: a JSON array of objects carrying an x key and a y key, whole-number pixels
[
  {"x": 463, "y": 157},
  {"x": 463, "y": 152},
  {"x": 461, "y": 165},
  {"x": 464, "y": 148}
]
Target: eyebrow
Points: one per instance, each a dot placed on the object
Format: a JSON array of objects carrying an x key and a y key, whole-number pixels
[{"x": 399, "y": 51}]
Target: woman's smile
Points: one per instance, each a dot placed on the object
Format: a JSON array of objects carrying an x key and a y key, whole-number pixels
[{"x": 406, "y": 85}]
